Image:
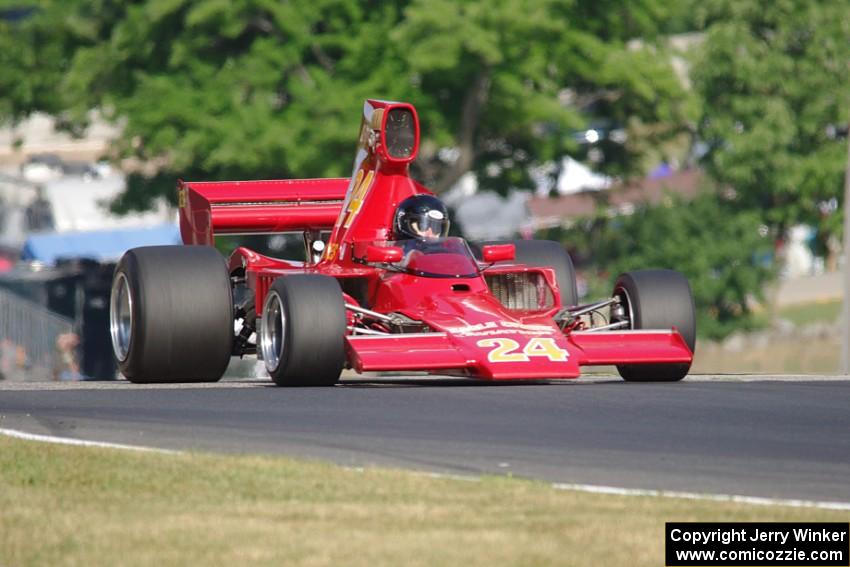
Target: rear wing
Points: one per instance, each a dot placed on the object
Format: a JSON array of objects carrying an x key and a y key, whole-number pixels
[{"x": 255, "y": 207}]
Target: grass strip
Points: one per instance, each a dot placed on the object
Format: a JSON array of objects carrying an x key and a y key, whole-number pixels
[
  {"x": 809, "y": 313},
  {"x": 63, "y": 505}
]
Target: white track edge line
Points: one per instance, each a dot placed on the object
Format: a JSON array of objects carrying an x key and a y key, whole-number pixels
[
  {"x": 81, "y": 442},
  {"x": 681, "y": 495},
  {"x": 732, "y": 498},
  {"x": 590, "y": 488}
]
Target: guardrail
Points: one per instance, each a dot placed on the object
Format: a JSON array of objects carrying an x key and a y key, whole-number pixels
[{"x": 28, "y": 333}]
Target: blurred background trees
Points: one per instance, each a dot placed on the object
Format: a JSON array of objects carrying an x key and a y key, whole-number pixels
[
  {"x": 252, "y": 88},
  {"x": 718, "y": 247},
  {"x": 774, "y": 81}
]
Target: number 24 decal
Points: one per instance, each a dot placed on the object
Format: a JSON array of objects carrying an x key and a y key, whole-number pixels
[{"x": 508, "y": 350}]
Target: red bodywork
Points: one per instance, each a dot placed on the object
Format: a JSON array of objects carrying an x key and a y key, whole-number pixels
[{"x": 469, "y": 331}]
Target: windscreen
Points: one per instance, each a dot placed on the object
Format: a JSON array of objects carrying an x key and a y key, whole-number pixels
[{"x": 437, "y": 258}]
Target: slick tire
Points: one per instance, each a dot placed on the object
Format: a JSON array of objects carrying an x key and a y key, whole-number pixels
[
  {"x": 543, "y": 254},
  {"x": 302, "y": 331},
  {"x": 171, "y": 314},
  {"x": 657, "y": 299}
]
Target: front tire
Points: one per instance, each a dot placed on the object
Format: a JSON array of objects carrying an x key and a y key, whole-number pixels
[
  {"x": 302, "y": 332},
  {"x": 657, "y": 299},
  {"x": 171, "y": 314}
]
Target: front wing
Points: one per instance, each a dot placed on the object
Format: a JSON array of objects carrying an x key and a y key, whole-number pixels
[{"x": 514, "y": 356}]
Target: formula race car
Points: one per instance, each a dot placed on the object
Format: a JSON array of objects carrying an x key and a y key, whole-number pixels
[{"x": 382, "y": 287}]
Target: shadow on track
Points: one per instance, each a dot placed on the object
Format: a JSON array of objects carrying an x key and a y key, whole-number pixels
[{"x": 454, "y": 382}]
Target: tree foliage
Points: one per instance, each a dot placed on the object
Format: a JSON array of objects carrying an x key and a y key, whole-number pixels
[
  {"x": 260, "y": 88},
  {"x": 33, "y": 58},
  {"x": 725, "y": 253},
  {"x": 774, "y": 78}
]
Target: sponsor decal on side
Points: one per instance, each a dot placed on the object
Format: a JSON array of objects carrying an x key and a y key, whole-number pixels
[{"x": 501, "y": 328}]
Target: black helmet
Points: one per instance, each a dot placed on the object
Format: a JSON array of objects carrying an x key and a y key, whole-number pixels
[{"x": 421, "y": 216}]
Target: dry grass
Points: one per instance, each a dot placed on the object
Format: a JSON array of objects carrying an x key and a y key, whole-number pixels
[
  {"x": 71, "y": 506},
  {"x": 813, "y": 347},
  {"x": 803, "y": 314},
  {"x": 779, "y": 355}
]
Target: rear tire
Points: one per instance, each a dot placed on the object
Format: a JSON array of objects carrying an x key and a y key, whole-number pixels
[
  {"x": 171, "y": 314},
  {"x": 302, "y": 333},
  {"x": 657, "y": 299}
]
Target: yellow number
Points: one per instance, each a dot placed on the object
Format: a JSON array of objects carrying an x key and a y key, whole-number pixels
[
  {"x": 546, "y": 347},
  {"x": 503, "y": 350},
  {"x": 361, "y": 185}
]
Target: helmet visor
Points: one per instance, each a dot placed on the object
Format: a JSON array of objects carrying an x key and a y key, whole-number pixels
[{"x": 432, "y": 224}]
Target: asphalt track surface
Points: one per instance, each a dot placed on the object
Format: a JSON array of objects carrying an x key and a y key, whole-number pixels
[{"x": 762, "y": 436}]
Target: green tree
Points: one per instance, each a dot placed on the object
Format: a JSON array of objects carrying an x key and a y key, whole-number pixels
[
  {"x": 725, "y": 254},
  {"x": 774, "y": 79},
  {"x": 509, "y": 80},
  {"x": 34, "y": 54},
  {"x": 260, "y": 88}
]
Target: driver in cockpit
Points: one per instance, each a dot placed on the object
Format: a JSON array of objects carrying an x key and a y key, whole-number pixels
[
  {"x": 421, "y": 228},
  {"x": 421, "y": 217}
]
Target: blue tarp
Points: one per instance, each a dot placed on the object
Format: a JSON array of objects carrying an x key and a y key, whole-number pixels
[{"x": 100, "y": 245}]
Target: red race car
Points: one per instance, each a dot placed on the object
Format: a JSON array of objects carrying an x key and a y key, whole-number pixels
[{"x": 382, "y": 288}]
